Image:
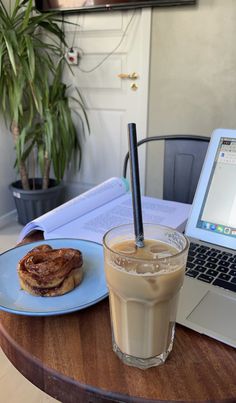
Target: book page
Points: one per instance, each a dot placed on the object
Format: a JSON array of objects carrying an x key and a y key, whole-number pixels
[
  {"x": 77, "y": 207},
  {"x": 95, "y": 224}
]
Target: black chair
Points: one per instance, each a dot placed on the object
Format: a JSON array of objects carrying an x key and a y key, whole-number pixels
[{"x": 183, "y": 159}]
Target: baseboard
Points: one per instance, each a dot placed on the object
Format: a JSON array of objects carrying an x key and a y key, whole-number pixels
[{"x": 9, "y": 217}]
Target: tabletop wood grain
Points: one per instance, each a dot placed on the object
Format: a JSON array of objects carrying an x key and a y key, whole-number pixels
[{"x": 70, "y": 357}]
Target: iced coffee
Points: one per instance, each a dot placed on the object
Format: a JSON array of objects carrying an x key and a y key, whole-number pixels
[{"x": 144, "y": 285}]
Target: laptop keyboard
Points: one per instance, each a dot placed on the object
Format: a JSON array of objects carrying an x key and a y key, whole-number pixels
[{"x": 212, "y": 266}]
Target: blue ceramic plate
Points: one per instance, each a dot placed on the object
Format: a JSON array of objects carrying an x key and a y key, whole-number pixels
[{"x": 92, "y": 289}]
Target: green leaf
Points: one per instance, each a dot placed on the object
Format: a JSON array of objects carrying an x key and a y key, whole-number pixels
[
  {"x": 2, "y": 48},
  {"x": 22, "y": 139},
  {"x": 10, "y": 53},
  {"x": 3, "y": 97},
  {"x": 16, "y": 8},
  {"x": 31, "y": 57},
  {"x": 3, "y": 12},
  {"x": 27, "y": 14},
  {"x": 37, "y": 97}
]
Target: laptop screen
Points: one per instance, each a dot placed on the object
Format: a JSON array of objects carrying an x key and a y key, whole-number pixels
[
  {"x": 218, "y": 211},
  {"x": 213, "y": 214}
]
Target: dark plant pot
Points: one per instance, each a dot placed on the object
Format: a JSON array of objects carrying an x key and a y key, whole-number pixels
[{"x": 31, "y": 204}]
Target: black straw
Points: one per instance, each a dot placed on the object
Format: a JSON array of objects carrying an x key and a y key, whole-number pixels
[{"x": 135, "y": 186}]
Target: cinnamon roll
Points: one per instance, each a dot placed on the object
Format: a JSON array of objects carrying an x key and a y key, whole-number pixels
[{"x": 49, "y": 272}]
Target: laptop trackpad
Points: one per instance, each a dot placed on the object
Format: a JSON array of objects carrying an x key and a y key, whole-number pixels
[{"x": 217, "y": 313}]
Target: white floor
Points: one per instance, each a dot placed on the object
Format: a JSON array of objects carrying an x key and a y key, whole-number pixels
[{"x": 14, "y": 388}]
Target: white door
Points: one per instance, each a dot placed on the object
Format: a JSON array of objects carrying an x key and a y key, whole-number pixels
[{"x": 111, "y": 44}]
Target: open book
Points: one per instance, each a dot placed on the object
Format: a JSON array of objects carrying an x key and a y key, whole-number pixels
[{"x": 89, "y": 215}]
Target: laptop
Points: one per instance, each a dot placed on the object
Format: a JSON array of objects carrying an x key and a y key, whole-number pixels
[{"x": 208, "y": 298}]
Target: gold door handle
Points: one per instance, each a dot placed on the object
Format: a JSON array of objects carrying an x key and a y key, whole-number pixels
[
  {"x": 134, "y": 87},
  {"x": 130, "y": 76}
]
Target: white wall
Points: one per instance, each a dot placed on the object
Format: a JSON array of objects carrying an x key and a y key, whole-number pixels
[
  {"x": 7, "y": 173},
  {"x": 7, "y": 158},
  {"x": 193, "y": 73}
]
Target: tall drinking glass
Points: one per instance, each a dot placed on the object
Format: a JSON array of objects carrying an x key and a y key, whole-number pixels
[{"x": 144, "y": 285}]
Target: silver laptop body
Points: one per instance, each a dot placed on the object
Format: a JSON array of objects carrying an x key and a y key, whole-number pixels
[{"x": 208, "y": 299}]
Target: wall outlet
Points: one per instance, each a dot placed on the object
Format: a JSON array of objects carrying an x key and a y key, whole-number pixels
[{"x": 72, "y": 56}]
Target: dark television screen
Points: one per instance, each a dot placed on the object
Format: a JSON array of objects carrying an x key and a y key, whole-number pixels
[{"x": 104, "y": 5}]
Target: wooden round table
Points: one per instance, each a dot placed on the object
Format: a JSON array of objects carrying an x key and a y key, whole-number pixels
[{"x": 70, "y": 357}]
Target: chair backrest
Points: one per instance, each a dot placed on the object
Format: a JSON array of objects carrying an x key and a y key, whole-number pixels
[{"x": 183, "y": 159}]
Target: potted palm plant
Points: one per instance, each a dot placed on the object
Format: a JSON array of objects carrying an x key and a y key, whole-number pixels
[{"x": 36, "y": 105}]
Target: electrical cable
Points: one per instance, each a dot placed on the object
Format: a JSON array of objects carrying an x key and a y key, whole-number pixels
[
  {"x": 75, "y": 32},
  {"x": 112, "y": 52}
]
